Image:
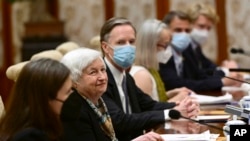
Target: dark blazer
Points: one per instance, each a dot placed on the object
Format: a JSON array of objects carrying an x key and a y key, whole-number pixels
[
  {"x": 203, "y": 62},
  {"x": 80, "y": 121},
  {"x": 193, "y": 78},
  {"x": 146, "y": 113},
  {"x": 30, "y": 134}
]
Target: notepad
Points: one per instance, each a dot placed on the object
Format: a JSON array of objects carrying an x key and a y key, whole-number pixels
[
  {"x": 213, "y": 118},
  {"x": 205, "y": 136},
  {"x": 205, "y": 99}
]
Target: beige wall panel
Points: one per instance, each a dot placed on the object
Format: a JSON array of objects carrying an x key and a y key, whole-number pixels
[
  {"x": 238, "y": 27},
  {"x": 20, "y": 15},
  {"x": 135, "y": 11},
  {"x": 83, "y": 19}
]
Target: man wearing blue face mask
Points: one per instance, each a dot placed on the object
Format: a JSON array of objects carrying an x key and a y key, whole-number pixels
[
  {"x": 182, "y": 70},
  {"x": 124, "y": 55},
  {"x": 180, "y": 41},
  {"x": 179, "y": 24},
  {"x": 131, "y": 110}
]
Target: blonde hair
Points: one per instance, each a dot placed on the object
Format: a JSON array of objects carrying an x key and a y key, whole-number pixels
[
  {"x": 197, "y": 9},
  {"x": 146, "y": 42}
]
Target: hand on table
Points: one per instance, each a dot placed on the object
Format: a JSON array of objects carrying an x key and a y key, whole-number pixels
[
  {"x": 188, "y": 107},
  {"x": 150, "y": 136}
]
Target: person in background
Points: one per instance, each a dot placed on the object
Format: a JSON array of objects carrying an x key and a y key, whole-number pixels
[
  {"x": 132, "y": 111},
  {"x": 204, "y": 18},
  {"x": 85, "y": 115},
  {"x": 33, "y": 109},
  {"x": 152, "y": 46},
  {"x": 181, "y": 70}
]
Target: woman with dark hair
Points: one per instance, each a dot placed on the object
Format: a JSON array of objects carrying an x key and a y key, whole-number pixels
[{"x": 33, "y": 108}]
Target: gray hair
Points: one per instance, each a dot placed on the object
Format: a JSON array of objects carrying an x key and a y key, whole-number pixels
[
  {"x": 146, "y": 42},
  {"x": 77, "y": 60},
  {"x": 111, "y": 24}
]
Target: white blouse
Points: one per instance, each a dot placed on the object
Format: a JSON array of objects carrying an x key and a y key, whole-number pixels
[{"x": 134, "y": 69}]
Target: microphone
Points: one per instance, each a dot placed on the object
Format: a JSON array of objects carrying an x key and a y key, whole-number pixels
[
  {"x": 174, "y": 114},
  {"x": 240, "y": 70},
  {"x": 212, "y": 72},
  {"x": 239, "y": 51}
]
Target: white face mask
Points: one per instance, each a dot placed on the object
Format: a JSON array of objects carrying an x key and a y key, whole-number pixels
[
  {"x": 199, "y": 36},
  {"x": 163, "y": 56}
]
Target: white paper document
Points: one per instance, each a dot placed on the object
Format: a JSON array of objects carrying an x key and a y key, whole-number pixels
[
  {"x": 212, "y": 117},
  {"x": 205, "y": 136},
  {"x": 205, "y": 99}
]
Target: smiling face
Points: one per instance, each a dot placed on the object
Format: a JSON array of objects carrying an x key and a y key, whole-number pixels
[{"x": 93, "y": 81}]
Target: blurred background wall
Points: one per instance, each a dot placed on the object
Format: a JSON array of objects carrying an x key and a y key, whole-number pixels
[{"x": 27, "y": 26}]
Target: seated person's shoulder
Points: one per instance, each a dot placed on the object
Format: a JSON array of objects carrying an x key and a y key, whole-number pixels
[
  {"x": 71, "y": 107},
  {"x": 138, "y": 70}
]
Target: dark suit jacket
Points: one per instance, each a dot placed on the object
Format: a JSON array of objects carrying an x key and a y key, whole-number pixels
[
  {"x": 30, "y": 134},
  {"x": 193, "y": 78},
  {"x": 146, "y": 112},
  {"x": 204, "y": 63},
  {"x": 80, "y": 121}
]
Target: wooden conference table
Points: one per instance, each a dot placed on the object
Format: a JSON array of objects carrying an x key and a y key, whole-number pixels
[{"x": 189, "y": 127}]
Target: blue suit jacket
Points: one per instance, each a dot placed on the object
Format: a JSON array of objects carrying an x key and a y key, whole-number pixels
[
  {"x": 193, "y": 77},
  {"x": 146, "y": 113}
]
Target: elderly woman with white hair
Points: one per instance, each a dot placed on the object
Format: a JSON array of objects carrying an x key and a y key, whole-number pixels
[{"x": 84, "y": 114}]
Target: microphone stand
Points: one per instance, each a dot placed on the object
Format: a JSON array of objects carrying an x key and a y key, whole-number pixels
[
  {"x": 212, "y": 126},
  {"x": 236, "y": 79}
]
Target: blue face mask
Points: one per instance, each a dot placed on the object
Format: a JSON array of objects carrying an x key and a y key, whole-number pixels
[
  {"x": 180, "y": 41},
  {"x": 124, "y": 55}
]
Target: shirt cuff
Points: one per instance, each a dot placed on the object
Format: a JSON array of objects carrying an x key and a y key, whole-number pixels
[
  {"x": 225, "y": 70},
  {"x": 167, "y": 125},
  {"x": 166, "y": 114}
]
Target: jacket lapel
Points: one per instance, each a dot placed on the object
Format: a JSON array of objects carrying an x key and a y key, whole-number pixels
[{"x": 112, "y": 90}]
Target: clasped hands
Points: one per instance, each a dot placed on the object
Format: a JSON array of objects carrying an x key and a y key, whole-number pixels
[{"x": 188, "y": 107}]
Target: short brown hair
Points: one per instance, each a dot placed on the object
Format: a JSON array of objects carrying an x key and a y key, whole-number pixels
[
  {"x": 110, "y": 24},
  {"x": 172, "y": 14}
]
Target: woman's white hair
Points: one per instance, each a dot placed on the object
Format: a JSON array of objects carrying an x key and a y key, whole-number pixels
[{"x": 79, "y": 59}]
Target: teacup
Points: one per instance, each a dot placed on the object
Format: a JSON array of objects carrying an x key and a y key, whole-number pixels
[{"x": 245, "y": 102}]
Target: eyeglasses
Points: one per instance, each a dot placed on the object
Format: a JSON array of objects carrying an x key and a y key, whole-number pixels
[{"x": 162, "y": 45}]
